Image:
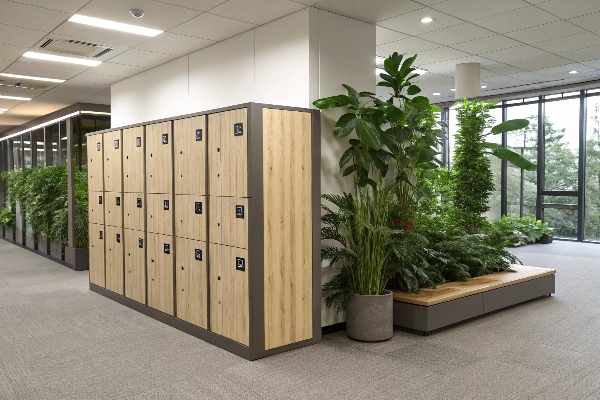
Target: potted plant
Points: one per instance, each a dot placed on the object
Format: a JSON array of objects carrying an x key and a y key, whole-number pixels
[
  {"x": 399, "y": 132},
  {"x": 8, "y": 220}
]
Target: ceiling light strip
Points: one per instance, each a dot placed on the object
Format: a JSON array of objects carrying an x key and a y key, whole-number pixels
[
  {"x": 70, "y": 60},
  {"x": 32, "y": 78},
  {"x": 117, "y": 26},
  {"x": 15, "y": 98}
]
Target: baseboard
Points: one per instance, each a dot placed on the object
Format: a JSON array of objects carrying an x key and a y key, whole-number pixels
[{"x": 340, "y": 326}]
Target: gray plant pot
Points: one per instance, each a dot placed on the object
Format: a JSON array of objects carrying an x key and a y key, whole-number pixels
[
  {"x": 370, "y": 318},
  {"x": 56, "y": 250},
  {"x": 42, "y": 245},
  {"x": 10, "y": 234},
  {"x": 546, "y": 239}
]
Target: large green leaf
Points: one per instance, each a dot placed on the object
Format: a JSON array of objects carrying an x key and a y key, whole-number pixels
[
  {"x": 345, "y": 125},
  {"x": 353, "y": 94},
  {"x": 510, "y": 156},
  {"x": 363, "y": 158},
  {"x": 346, "y": 157},
  {"x": 511, "y": 125},
  {"x": 413, "y": 89},
  {"x": 368, "y": 134},
  {"x": 340, "y": 100},
  {"x": 420, "y": 102}
]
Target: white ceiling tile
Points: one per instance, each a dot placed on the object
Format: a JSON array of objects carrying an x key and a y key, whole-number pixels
[
  {"x": 570, "y": 8},
  {"x": 19, "y": 36},
  {"x": 590, "y": 53},
  {"x": 175, "y": 44},
  {"x": 385, "y": 35},
  {"x": 44, "y": 70},
  {"x": 54, "y": 64},
  {"x": 502, "y": 81},
  {"x": 544, "y": 32},
  {"x": 528, "y": 77},
  {"x": 513, "y": 53},
  {"x": 72, "y": 92},
  {"x": 574, "y": 42},
  {"x": 10, "y": 52},
  {"x": 123, "y": 71},
  {"x": 19, "y": 92},
  {"x": 592, "y": 63},
  {"x": 448, "y": 67},
  {"x": 411, "y": 45},
  {"x": 487, "y": 44},
  {"x": 69, "y": 6},
  {"x": 562, "y": 72},
  {"x": 516, "y": 19},
  {"x": 501, "y": 69},
  {"x": 545, "y": 61},
  {"x": 26, "y": 16},
  {"x": 432, "y": 80},
  {"x": 368, "y": 11},
  {"x": 141, "y": 58},
  {"x": 99, "y": 98},
  {"x": 470, "y": 10},
  {"x": 4, "y": 64},
  {"x": 486, "y": 74},
  {"x": 256, "y": 11},
  {"x": 212, "y": 27},
  {"x": 410, "y": 23},
  {"x": 457, "y": 34},
  {"x": 589, "y": 21},
  {"x": 200, "y": 5},
  {"x": 440, "y": 54},
  {"x": 90, "y": 77}
]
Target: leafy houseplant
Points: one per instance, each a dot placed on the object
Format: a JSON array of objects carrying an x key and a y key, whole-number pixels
[
  {"x": 521, "y": 231},
  {"x": 7, "y": 218}
]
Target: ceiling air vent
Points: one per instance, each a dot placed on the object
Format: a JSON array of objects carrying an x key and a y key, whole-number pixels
[
  {"x": 75, "y": 47},
  {"x": 25, "y": 84}
]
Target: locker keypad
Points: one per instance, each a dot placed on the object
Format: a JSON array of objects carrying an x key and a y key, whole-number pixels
[
  {"x": 238, "y": 129},
  {"x": 198, "y": 207},
  {"x": 240, "y": 264},
  {"x": 198, "y": 255},
  {"x": 198, "y": 135},
  {"x": 239, "y": 211}
]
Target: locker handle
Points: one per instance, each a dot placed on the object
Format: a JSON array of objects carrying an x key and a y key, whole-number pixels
[
  {"x": 218, "y": 278},
  {"x": 218, "y": 149},
  {"x": 150, "y": 154},
  {"x": 153, "y": 261},
  {"x": 218, "y": 224},
  {"x": 182, "y": 268},
  {"x": 181, "y": 152}
]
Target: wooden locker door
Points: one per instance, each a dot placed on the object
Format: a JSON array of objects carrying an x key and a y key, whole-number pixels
[
  {"x": 134, "y": 207},
  {"x": 192, "y": 285},
  {"x": 159, "y": 158},
  {"x": 215, "y": 232},
  {"x": 190, "y": 217},
  {"x": 160, "y": 213},
  {"x": 97, "y": 266},
  {"x": 161, "y": 274},
  {"x": 115, "y": 269},
  {"x": 113, "y": 209},
  {"x": 230, "y": 221},
  {"x": 95, "y": 163},
  {"x": 216, "y": 288},
  {"x": 189, "y": 141},
  {"x": 96, "y": 208},
  {"x": 213, "y": 137},
  {"x": 135, "y": 265},
  {"x": 234, "y": 153},
  {"x": 133, "y": 160},
  {"x": 113, "y": 167}
]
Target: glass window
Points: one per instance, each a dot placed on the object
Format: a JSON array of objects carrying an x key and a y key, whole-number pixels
[
  {"x": 496, "y": 165},
  {"x": 63, "y": 142},
  {"x": 52, "y": 145},
  {"x": 27, "y": 161},
  {"x": 16, "y": 152},
  {"x": 562, "y": 145},
  {"x": 563, "y": 221},
  {"x": 40, "y": 149},
  {"x": 592, "y": 177}
]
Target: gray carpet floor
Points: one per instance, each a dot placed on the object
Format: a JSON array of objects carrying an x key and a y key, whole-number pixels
[{"x": 58, "y": 340}]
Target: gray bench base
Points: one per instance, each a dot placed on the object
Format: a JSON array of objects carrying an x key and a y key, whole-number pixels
[{"x": 426, "y": 319}]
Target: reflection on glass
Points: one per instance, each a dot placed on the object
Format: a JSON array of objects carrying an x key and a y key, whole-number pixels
[
  {"x": 496, "y": 165},
  {"x": 63, "y": 142},
  {"x": 27, "y": 150},
  {"x": 16, "y": 153},
  {"x": 38, "y": 140},
  {"x": 563, "y": 221},
  {"x": 592, "y": 176},
  {"x": 562, "y": 145},
  {"x": 52, "y": 145},
  {"x": 522, "y": 185}
]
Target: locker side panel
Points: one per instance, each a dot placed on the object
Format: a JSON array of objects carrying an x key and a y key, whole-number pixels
[
  {"x": 159, "y": 218},
  {"x": 133, "y": 160},
  {"x": 161, "y": 273},
  {"x": 189, "y": 142},
  {"x": 115, "y": 275},
  {"x": 134, "y": 211},
  {"x": 95, "y": 151},
  {"x": 113, "y": 209},
  {"x": 159, "y": 158},
  {"x": 190, "y": 217},
  {"x": 96, "y": 243},
  {"x": 113, "y": 167},
  {"x": 192, "y": 285},
  {"x": 96, "y": 207},
  {"x": 135, "y": 265}
]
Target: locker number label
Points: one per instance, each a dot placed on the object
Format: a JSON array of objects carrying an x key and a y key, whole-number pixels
[
  {"x": 198, "y": 207},
  {"x": 117, "y": 144},
  {"x": 166, "y": 204},
  {"x": 139, "y": 203},
  {"x": 167, "y": 248},
  {"x": 98, "y": 146},
  {"x": 118, "y": 201},
  {"x": 138, "y": 142},
  {"x": 238, "y": 129},
  {"x": 118, "y": 238},
  {"x": 240, "y": 264},
  {"x": 198, "y": 135},
  {"x": 141, "y": 243},
  {"x": 99, "y": 199},
  {"x": 101, "y": 235},
  {"x": 198, "y": 255},
  {"x": 165, "y": 138},
  {"x": 239, "y": 212}
]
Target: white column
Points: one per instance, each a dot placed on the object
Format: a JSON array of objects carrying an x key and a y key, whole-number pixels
[{"x": 467, "y": 81}]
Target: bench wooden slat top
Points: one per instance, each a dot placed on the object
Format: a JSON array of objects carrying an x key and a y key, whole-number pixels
[{"x": 455, "y": 290}]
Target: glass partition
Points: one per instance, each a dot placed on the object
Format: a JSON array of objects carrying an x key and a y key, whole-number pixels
[
  {"x": 63, "y": 142},
  {"x": 52, "y": 140},
  {"x": 40, "y": 147},
  {"x": 27, "y": 160},
  {"x": 592, "y": 177},
  {"x": 561, "y": 135}
]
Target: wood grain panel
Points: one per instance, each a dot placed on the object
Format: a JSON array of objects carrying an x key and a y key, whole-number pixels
[
  {"x": 96, "y": 207},
  {"x": 97, "y": 266},
  {"x": 135, "y": 265},
  {"x": 288, "y": 227},
  {"x": 161, "y": 273},
  {"x": 95, "y": 163},
  {"x": 159, "y": 158},
  {"x": 159, "y": 219},
  {"x": 216, "y": 260},
  {"x": 213, "y": 137},
  {"x": 188, "y": 223},
  {"x": 115, "y": 263},
  {"x": 113, "y": 213},
  {"x": 189, "y": 141},
  {"x": 192, "y": 282},
  {"x": 133, "y": 160},
  {"x": 134, "y": 211},
  {"x": 226, "y": 225},
  {"x": 234, "y": 154},
  {"x": 113, "y": 164}
]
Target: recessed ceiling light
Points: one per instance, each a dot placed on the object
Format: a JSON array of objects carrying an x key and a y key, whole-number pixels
[
  {"x": 573, "y": 72},
  {"x": 3, "y": 109},
  {"x": 15, "y": 98},
  {"x": 379, "y": 60},
  {"x": 420, "y": 71},
  {"x": 436, "y": 94},
  {"x": 71, "y": 60},
  {"x": 426, "y": 20},
  {"x": 117, "y": 26},
  {"x": 32, "y": 78},
  {"x": 483, "y": 86},
  {"x": 454, "y": 90}
]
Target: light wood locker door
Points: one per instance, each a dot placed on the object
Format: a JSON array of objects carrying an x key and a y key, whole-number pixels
[
  {"x": 192, "y": 284},
  {"x": 113, "y": 166},
  {"x": 189, "y": 141},
  {"x": 229, "y": 221},
  {"x": 229, "y": 298},
  {"x": 134, "y": 211},
  {"x": 135, "y": 265},
  {"x": 96, "y": 207},
  {"x": 113, "y": 209},
  {"x": 95, "y": 151},
  {"x": 159, "y": 218},
  {"x": 115, "y": 267},
  {"x": 190, "y": 217},
  {"x": 97, "y": 266},
  {"x": 161, "y": 273},
  {"x": 133, "y": 160},
  {"x": 159, "y": 158}
]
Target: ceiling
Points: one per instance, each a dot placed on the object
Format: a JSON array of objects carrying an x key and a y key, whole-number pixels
[{"x": 520, "y": 44}]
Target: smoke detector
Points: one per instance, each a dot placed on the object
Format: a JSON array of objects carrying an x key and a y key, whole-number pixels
[{"x": 137, "y": 13}]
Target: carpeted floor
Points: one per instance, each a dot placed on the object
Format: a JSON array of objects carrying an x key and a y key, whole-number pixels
[{"x": 58, "y": 340}]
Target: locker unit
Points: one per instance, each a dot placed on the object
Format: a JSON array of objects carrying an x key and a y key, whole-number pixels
[
  {"x": 95, "y": 155},
  {"x": 96, "y": 207},
  {"x": 96, "y": 246},
  {"x": 113, "y": 166},
  {"x": 114, "y": 242},
  {"x": 192, "y": 281},
  {"x": 221, "y": 226},
  {"x": 135, "y": 265}
]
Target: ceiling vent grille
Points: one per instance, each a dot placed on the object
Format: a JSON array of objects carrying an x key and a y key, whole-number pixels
[
  {"x": 25, "y": 84},
  {"x": 75, "y": 47}
]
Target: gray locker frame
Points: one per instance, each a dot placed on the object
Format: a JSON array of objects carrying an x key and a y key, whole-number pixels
[{"x": 256, "y": 349}]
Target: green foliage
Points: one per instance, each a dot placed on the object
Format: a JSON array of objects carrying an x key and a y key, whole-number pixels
[
  {"x": 520, "y": 231},
  {"x": 8, "y": 219}
]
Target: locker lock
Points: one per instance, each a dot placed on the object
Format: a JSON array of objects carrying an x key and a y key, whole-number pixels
[
  {"x": 218, "y": 149},
  {"x": 218, "y": 278}
]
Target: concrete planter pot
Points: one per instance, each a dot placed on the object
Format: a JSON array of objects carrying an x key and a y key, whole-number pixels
[
  {"x": 370, "y": 318},
  {"x": 9, "y": 233},
  {"x": 546, "y": 239},
  {"x": 29, "y": 239},
  {"x": 78, "y": 258},
  {"x": 42, "y": 245},
  {"x": 56, "y": 250}
]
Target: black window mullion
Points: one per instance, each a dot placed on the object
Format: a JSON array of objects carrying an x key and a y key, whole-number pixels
[
  {"x": 582, "y": 167},
  {"x": 504, "y": 169}
]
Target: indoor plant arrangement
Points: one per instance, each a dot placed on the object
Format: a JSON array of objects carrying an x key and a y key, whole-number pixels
[{"x": 8, "y": 221}]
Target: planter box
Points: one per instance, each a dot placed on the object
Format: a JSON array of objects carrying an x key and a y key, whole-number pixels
[
  {"x": 56, "y": 250},
  {"x": 29, "y": 240},
  {"x": 9, "y": 233},
  {"x": 42, "y": 245},
  {"x": 545, "y": 239},
  {"x": 77, "y": 258},
  {"x": 454, "y": 302}
]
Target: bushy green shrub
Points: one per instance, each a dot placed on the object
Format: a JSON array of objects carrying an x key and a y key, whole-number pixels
[
  {"x": 8, "y": 218},
  {"x": 520, "y": 231}
]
